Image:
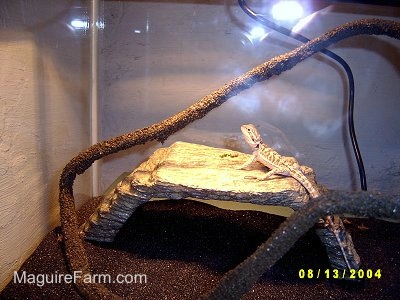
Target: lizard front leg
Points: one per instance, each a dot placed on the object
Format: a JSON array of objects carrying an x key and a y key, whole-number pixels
[{"x": 248, "y": 163}]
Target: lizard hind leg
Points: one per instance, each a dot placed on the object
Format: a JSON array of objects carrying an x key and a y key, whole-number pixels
[
  {"x": 270, "y": 173},
  {"x": 262, "y": 178}
]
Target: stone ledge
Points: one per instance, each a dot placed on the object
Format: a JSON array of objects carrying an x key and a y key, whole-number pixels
[{"x": 189, "y": 170}]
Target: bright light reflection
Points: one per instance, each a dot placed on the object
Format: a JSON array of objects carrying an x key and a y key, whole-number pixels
[
  {"x": 256, "y": 34},
  {"x": 287, "y": 10},
  {"x": 79, "y": 24},
  {"x": 82, "y": 24},
  {"x": 303, "y": 23},
  {"x": 100, "y": 24}
]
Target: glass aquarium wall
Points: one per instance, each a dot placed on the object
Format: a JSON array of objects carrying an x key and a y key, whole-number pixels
[
  {"x": 158, "y": 57},
  {"x": 44, "y": 118},
  {"x": 154, "y": 59}
]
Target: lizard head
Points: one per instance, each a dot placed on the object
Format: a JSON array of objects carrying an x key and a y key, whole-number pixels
[{"x": 251, "y": 135}]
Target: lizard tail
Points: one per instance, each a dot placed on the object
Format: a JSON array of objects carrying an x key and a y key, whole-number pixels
[
  {"x": 309, "y": 186},
  {"x": 314, "y": 193}
]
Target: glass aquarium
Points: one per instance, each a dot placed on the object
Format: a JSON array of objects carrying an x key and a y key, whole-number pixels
[
  {"x": 157, "y": 58},
  {"x": 100, "y": 88}
]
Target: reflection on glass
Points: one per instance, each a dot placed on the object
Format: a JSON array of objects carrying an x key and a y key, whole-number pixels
[
  {"x": 79, "y": 24},
  {"x": 287, "y": 11},
  {"x": 256, "y": 34}
]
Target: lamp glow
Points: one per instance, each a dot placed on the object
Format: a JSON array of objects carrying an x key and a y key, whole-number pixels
[
  {"x": 257, "y": 33},
  {"x": 79, "y": 24},
  {"x": 287, "y": 10}
]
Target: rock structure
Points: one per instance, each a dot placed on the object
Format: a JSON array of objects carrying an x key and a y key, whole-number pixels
[{"x": 186, "y": 170}]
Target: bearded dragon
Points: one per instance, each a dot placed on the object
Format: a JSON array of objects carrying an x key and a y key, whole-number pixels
[{"x": 282, "y": 165}]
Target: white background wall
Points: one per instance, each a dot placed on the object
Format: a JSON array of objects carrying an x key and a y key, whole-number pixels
[
  {"x": 157, "y": 58},
  {"x": 43, "y": 120}
]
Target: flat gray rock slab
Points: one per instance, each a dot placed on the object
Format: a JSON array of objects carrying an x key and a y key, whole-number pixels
[{"x": 186, "y": 170}]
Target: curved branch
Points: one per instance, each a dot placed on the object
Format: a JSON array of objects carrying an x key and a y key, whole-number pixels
[
  {"x": 240, "y": 279},
  {"x": 75, "y": 253}
]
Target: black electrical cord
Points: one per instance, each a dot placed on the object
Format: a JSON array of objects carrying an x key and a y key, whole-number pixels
[{"x": 350, "y": 110}]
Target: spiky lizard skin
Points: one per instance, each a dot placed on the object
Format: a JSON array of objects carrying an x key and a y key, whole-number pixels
[
  {"x": 277, "y": 164},
  {"x": 286, "y": 166}
]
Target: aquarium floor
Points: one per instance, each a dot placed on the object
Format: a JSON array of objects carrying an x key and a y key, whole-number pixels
[{"x": 185, "y": 247}]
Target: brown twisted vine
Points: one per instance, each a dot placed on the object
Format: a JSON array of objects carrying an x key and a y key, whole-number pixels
[
  {"x": 240, "y": 279},
  {"x": 76, "y": 256}
]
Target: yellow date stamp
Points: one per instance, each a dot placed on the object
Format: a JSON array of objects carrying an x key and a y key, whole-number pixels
[{"x": 340, "y": 274}]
